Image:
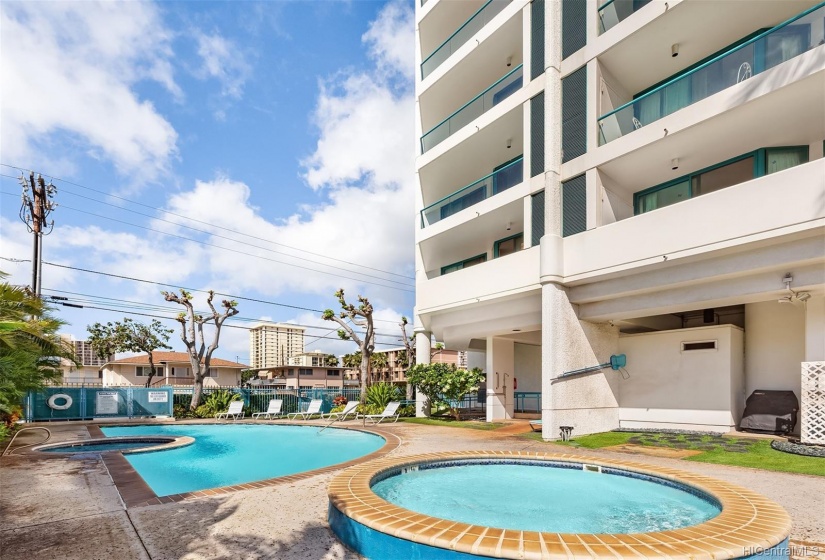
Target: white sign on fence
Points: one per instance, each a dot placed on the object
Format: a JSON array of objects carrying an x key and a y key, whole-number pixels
[
  {"x": 158, "y": 396},
  {"x": 106, "y": 402}
]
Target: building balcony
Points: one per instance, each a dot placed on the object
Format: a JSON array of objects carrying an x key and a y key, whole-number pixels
[
  {"x": 513, "y": 274},
  {"x": 461, "y": 35},
  {"x": 504, "y": 177},
  {"x": 785, "y": 203},
  {"x": 763, "y": 52},
  {"x": 615, "y": 11},
  {"x": 503, "y": 88}
]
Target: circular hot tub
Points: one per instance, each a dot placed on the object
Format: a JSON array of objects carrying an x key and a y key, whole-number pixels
[{"x": 528, "y": 505}]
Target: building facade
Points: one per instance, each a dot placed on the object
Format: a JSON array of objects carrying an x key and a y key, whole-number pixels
[
  {"x": 273, "y": 344},
  {"x": 309, "y": 377},
  {"x": 171, "y": 368},
  {"x": 397, "y": 363},
  {"x": 88, "y": 372},
  {"x": 625, "y": 177},
  {"x": 314, "y": 358}
]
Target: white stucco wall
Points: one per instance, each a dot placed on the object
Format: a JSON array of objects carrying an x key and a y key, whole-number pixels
[
  {"x": 528, "y": 367},
  {"x": 774, "y": 346},
  {"x": 500, "y": 374},
  {"x": 669, "y": 388},
  {"x": 815, "y": 329}
]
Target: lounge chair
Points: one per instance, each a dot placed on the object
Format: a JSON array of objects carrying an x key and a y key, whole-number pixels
[
  {"x": 274, "y": 409},
  {"x": 535, "y": 425},
  {"x": 235, "y": 411},
  {"x": 313, "y": 408},
  {"x": 390, "y": 412},
  {"x": 348, "y": 412}
]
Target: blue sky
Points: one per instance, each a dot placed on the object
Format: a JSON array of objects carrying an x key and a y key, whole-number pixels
[{"x": 277, "y": 134}]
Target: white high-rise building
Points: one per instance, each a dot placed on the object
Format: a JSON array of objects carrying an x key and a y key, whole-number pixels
[
  {"x": 633, "y": 177},
  {"x": 273, "y": 344}
]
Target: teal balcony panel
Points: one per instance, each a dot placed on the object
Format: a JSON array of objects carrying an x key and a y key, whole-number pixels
[
  {"x": 615, "y": 11},
  {"x": 480, "y": 104},
  {"x": 508, "y": 175},
  {"x": 787, "y": 40}
]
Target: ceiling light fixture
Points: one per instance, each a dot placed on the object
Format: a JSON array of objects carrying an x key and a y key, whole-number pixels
[
  {"x": 674, "y": 50},
  {"x": 674, "y": 164}
]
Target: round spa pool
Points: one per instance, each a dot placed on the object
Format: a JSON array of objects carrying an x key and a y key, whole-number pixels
[{"x": 529, "y": 505}]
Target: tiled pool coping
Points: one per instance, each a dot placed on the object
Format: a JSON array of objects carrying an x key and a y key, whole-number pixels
[
  {"x": 136, "y": 493},
  {"x": 747, "y": 524},
  {"x": 162, "y": 443}
]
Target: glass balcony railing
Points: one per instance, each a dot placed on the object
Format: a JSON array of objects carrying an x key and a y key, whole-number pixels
[
  {"x": 500, "y": 180},
  {"x": 480, "y": 104},
  {"x": 764, "y": 51},
  {"x": 614, "y": 11},
  {"x": 469, "y": 28}
]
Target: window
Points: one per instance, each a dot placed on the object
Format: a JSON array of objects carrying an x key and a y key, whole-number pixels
[
  {"x": 727, "y": 174},
  {"x": 144, "y": 371},
  {"x": 508, "y": 245},
  {"x": 180, "y": 372},
  {"x": 700, "y": 345},
  {"x": 463, "y": 264},
  {"x": 333, "y": 373},
  {"x": 290, "y": 372},
  {"x": 213, "y": 372},
  {"x": 305, "y": 371}
]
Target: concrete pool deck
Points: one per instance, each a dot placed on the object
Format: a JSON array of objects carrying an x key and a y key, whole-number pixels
[{"x": 69, "y": 507}]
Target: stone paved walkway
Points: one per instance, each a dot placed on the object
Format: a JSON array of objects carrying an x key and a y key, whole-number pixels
[{"x": 69, "y": 508}]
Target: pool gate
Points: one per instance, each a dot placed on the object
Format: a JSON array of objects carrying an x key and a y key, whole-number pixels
[{"x": 82, "y": 403}]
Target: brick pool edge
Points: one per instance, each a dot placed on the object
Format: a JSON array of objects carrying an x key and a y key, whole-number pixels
[{"x": 749, "y": 525}]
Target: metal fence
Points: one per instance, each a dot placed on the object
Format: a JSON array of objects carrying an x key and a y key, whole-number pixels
[
  {"x": 82, "y": 403},
  {"x": 527, "y": 401}
]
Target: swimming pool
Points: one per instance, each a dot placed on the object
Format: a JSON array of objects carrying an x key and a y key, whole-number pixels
[
  {"x": 129, "y": 444},
  {"x": 225, "y": 455},
  {"x": 459, "y": 506}
]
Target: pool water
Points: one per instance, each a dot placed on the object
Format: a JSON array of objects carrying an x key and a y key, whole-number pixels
[
  {"x": 546, "y": 498},
  {"x": 223, "y": 455}
]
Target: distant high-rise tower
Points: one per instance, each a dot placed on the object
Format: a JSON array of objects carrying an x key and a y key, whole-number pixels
[{"x": 272, "y": 344}]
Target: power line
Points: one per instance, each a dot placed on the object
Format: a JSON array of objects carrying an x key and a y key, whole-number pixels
[
  {"x": 133, "y": 279},
  {"x": 131, "y": 304},
  {"x": 207, "y": 244},
  {"x": 64, "y": 191},
  {"x": 201, "y": 221}
]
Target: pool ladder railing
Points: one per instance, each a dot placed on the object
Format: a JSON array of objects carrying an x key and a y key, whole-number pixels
[{"x": 8, "y": 450}]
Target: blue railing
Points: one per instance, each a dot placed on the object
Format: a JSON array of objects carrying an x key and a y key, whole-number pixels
[
  {"x": 526, "y": 401},
  {"x": 477, "y": 106},
  {"x": 499, "y": 180},
  {"x": 614, "y": 11},
  {"x": 257, "y": 399},
  {"x": 79, "y": 403},
  {"x": 764, "y": 51},
  {"x": 461, "y": 35}
]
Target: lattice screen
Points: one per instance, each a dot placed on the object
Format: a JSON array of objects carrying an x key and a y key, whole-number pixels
[{"x": 813, "y": 402}]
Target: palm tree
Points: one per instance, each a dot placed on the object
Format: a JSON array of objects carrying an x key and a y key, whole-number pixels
[
  {"x": 352, "y": 360},
  {"x": 332, "y": 360},
  {"x": 378, "y": 361},
  {"x": 30, "y": 348}
]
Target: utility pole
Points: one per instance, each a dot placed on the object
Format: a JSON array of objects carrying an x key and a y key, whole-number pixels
[{"x": 34, "y": 210}]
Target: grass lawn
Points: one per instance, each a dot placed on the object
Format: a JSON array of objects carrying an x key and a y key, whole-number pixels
[
  {"x": 738, "y": 452},
  {"x": 454, "y": 423}
]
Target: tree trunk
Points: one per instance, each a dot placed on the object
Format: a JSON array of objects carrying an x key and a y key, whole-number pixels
[
  {"x": 151, "y": 371},
  {"x": 365, "y": 376},
  {"x": 197, "y": 392}
]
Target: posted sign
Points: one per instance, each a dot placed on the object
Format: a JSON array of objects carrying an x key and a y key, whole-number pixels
[
  {"x": 158, "y": 396},
  {"x": 106, "y": 402}
]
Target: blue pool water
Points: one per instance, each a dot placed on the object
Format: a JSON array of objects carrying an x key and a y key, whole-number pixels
[
  {"x": 223, "y": 455},
  {"x": 545, "y": 498}
]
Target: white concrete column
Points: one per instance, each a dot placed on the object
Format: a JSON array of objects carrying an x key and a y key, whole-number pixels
[
  {"x": 423, "y": 352},
  {"x": 815, "y": 329},
  {"x": 166, "y": 373},
  {"x": 500, "y": 367}
]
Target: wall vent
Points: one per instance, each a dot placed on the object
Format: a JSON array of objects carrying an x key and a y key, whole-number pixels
[
  {"x": 592, "y": 468},
  {"x": 699, "y": 345}
]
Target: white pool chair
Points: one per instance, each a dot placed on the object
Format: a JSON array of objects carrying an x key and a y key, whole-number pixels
[
  {"x": 235, "y": 411},
  {"x": 390, "y": 412},
  {"x": 313, "y": 408},
  {"x": 350, "y": 411},
  {"x": 274, "y": 409}
]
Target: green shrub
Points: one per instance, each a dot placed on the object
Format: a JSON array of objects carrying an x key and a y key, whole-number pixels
[
  {"x": 407, "y": 411},
  {"x": 337, "y": 408},
  {"x": 380, "y": 395},
  {"x": 217, "y": 401},
  {"x": 182, "y": 411}
]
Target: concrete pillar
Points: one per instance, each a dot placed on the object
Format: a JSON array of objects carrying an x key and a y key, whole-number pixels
[
  {"x": 166, "y": 373},
  {"x": 500, "y": 369},
  {"x": 815, "y": 329},
  {"x": 422, "y": 356}
]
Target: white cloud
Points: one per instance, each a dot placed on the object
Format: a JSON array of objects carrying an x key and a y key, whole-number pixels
[
  {"x": 391, "y": 38},
  {"x": 222, "y": 60},
  {"x": 70, "y": 67}
]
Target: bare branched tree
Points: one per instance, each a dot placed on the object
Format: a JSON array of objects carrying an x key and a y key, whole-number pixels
[
  {"x": 191, "y": 333},
  {"x": 130, "y": 336},
  {"x": 361, "y": 317}
]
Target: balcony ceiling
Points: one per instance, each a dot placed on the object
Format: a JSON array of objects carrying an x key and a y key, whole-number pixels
[
  {"x": 791, "y": 116},
  {"x": 444, "y": 19},
  {"x": 699, "y": 28}
]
